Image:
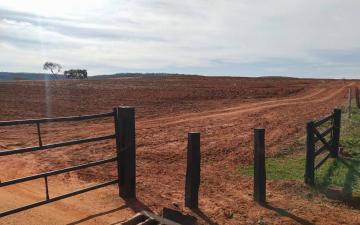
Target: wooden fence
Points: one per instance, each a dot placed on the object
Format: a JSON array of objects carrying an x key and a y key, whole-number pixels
[
  {"x": 323, "y": 136},
  {"x": 356, "y": 94},
  {"x": 321, "y": 141},
  {"x": 357, "y": 97},
  {"x": 124, "y": 119}
]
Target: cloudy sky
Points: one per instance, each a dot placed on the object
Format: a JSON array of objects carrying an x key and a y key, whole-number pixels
[{"x": 303, "y": 38}]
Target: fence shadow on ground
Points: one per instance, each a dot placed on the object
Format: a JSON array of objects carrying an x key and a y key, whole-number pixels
[
  {"x": 133, "y": 204},
  {"x": 326, "y": 179},
  {"x": 97, "y": 215},
  {"x": 343, "y": 191},
  {"x": 203, "y": 216},
  {"x": 283, "y": 212},
  {"x": 137, "y": 206}
]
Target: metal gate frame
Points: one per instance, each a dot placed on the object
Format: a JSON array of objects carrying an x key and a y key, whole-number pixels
[{"x": 124, "y": 121}]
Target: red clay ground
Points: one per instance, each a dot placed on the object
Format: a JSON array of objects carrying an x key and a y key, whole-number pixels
[{"x": 224, "y": 110}]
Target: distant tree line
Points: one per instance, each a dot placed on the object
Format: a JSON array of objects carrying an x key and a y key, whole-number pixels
[{"x": 56, "y": 68}]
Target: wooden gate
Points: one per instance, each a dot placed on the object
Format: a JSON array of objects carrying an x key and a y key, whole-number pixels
[{"x": 322, "y": 137}]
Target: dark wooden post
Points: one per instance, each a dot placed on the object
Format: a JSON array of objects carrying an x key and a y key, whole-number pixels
[
  {"x": 192, "y": 182},
  {"x": 126, "y": 150},
  {"x": 259, "y": 166},
  {"x": 336, "y": 133},
  {"x": 310, "y": 154},
  {"x": 357, "y": 97},
  {"x": 349, "y": 103}
]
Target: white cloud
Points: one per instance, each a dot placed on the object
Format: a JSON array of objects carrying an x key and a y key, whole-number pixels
[{"x": 114, "y": 35}]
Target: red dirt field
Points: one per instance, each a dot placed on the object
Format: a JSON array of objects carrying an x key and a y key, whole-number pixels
[{"x": 225, "y": 110}]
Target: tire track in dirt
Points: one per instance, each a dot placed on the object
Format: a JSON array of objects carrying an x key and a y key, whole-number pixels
[
  {"x": 159, "y": 133},
  {"x": 244, "y": 108},
  {"x": 229, "y": 109}
]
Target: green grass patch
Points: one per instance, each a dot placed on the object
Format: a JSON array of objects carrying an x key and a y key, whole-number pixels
[
  {"x": 342, "y": 174},
  {"x": 283, "y": 168}
]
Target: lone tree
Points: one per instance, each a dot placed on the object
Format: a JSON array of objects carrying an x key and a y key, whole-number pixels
[{"x": 54, "y": 68}]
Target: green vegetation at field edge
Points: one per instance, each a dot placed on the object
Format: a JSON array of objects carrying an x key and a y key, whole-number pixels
[{"x": 342, "y": 174}]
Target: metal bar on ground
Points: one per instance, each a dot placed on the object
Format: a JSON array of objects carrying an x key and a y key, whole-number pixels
[
  {"x": 55, "y": 172},
  {"x": 55, "y": 145},
  {"x": 57, "y": 119},
  {"x": 57, "y": 198}
]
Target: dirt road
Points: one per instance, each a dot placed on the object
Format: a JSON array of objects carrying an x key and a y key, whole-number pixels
[{"x": 226, "y": 137}]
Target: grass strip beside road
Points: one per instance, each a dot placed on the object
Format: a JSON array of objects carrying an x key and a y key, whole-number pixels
[{"x": 341, "y": 175}]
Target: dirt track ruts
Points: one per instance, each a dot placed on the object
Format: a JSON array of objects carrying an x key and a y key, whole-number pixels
[{"x": 245, "y": 108}]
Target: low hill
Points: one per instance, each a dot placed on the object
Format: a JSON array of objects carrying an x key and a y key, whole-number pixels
[
  {"x": 24, "y": 76},
  {"x": 117, "y": 75},
  {"x": 45, "y": 76}
]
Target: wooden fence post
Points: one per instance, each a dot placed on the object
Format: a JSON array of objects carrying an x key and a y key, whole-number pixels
[
  {"x": 357, "y": 97},
  {"x": 259, "y": 166},
  {"x": 126, "y": 150},
  {"x": 310, "y": 154},
  {"x": 192, "y": 182},
  {"x": 349, "y": 102},
  {"x": 336, "y": 133}
]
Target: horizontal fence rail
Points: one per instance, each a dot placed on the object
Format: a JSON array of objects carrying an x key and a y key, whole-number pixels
[
  {"x": 314, "y": 135},
  {"x": 56, "y": 145},
  {"x": 124, "y": 120},
  {"x": 55, "y": 172},
  {"x": 57, "y": 119},
  {"x": 323, "y": 120},
  {"x": 57, "y": 198}
]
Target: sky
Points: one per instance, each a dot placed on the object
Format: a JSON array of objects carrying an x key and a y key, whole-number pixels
[{"x": 303, "y": 38}]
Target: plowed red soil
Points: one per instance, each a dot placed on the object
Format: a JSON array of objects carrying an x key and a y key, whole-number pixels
[{"x": 224, "y": 110}]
